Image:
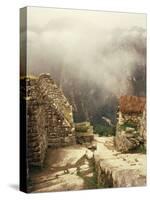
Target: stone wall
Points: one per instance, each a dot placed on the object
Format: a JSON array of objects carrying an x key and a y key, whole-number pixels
[
  {"x": 128, "y": 131},
  {"x": 84, "y": 132},
  {"x": 36, "y": 124},
  {"x": 132, "y": 117},
  {"x": 115, "y": 169},
  {"x": 36, "y": 133},
  {"x": 143, "y": 127},
  {"x": 49, "y": 117},
  {"x": 59, "y": 113}
]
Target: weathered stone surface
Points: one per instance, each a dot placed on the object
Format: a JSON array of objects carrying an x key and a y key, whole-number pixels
[
  {"x": 143, "y": 127},
  {"x": 66, "y": 182},
  {"x": 131, "y": 125},
  {"x": 73, "y": 170},
  {"x": 84, "y": 132},
  {"x": 65, "y": 169},
  {"x": 67, "y": 156},
  {"x": 89, "y": 154},
  {"x": 70, "y": 168},
  {"x": 118, "y": 170},
  {"x": 92, "y": 146},
  {"x": 49, "y": 117},
  {"x": 82, "y": 127},
  {"x": 125, "y": 142}
]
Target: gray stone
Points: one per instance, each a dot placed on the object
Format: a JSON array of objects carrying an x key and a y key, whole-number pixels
[{"x": 118, "y": 171}]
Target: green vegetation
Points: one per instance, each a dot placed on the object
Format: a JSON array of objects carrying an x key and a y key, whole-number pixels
[
  {"x": 130, "y": 124},
  {"x": 139, "y": 149},
  {"x": 104, "y": 130}
]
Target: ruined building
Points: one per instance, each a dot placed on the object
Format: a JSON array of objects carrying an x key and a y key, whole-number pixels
[
  {"x": 84, "y": 132},
  {"x": 131, "y": 126},
  {"x": 49, "y": 117}
]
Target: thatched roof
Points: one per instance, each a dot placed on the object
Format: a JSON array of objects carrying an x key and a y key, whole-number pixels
[{"x": 132, "y": 104}]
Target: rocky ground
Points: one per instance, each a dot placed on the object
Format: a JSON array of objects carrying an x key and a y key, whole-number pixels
[{"x": 78, "y": 167}]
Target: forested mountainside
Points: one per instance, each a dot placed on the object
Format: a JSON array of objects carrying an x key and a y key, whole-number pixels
[
  {"x": 95, "y": 71},
  {"x": 91, "y": 102}
]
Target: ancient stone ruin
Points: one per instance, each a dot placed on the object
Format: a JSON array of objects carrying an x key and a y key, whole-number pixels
[
  {"x": 143, "y": 126},
  {"x": 49, "y": 117},
  {"x": 84, "y": 132},
  {"x": 76, "y": 157},
  {"x": 121, "y": 161},
  {"x": 131, "y": 126}
]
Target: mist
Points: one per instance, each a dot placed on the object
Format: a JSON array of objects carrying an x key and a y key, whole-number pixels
[
  {"x": 80, "y": 48},
  {"x": 101, "y": 51}
]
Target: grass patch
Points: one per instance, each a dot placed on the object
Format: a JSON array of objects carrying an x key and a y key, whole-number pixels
[
  {"x": 129, "y": 124},
  {"x": 103, "y": 130}
]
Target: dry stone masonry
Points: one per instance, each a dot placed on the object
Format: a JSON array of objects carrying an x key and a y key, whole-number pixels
[
  {"x": 143, "y": 126},
  {"x": 131, "y": 126},
  {"x": 99, "y": 160},
  {"x": 59, "y": 113},
  {"x": 116, "y": 169},
  {"x": 49, "y": 117},
  {"x": 84, "y": 132}
]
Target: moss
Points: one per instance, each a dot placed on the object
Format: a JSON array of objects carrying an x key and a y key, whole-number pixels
[{"x": 128, "y": 124}]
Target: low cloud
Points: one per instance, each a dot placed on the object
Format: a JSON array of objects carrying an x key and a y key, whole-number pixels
[{"x": 106, "y": 57}]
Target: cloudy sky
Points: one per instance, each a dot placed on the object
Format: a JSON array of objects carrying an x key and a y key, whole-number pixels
[{"x": 86, "y": 44}]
